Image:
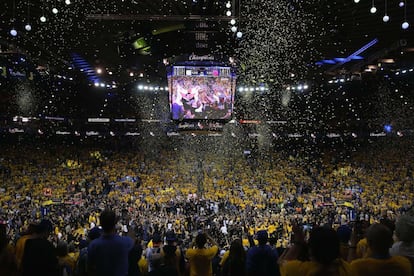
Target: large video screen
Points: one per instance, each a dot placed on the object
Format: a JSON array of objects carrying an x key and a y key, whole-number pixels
[{"x": 201, "y": 93}]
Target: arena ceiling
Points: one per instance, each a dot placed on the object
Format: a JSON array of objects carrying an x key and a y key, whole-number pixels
[{"x": 104, "y": 32}]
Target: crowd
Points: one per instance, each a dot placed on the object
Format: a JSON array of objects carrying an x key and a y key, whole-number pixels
[{"x": 167, "y": 207}]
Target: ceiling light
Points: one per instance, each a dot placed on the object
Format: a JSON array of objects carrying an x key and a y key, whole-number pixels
[
  {"x": 240, "y": 34},
  {"x": 228, "y": 5},
  {"x": 387, "y": 60},
  {"x": 233, "y": 22},
  {"x": 373, "y": 9},
  {"x": 234, "y": 29},
  {"x": 386, "y": 18},
  {"x": 405, "y": 25},
  {"x": 356, "y": 1},
  {"x": 13, "y": 32},
  {"x": 401, "y": 4},
  {"x": 67, "y": 2},
  {"x": 28, "y": 27},
  {"x": 43, "y": 19},
  {"x": 55, "y": 11},
  {"x": 228, "y": 13}
]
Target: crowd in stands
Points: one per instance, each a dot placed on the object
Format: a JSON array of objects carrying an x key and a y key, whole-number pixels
[{"x": 68, "y": 210}]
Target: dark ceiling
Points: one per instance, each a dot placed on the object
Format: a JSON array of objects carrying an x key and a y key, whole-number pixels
[{"x": 103, "y": 31}]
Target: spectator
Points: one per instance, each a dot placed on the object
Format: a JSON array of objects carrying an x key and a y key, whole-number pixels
[
  {"x": 235, "y": 263},
  {"x": 169, "y": 265},
  {"x": 134, "y": 256},
  {"x": 262, "y": 259},
  {"x": 8, "y": 264},
  {"x": 379, "y": 238},
  {"x": 173, "y": 257},
  {"x": 324, "y": 253},
  {"x": 66, "y": 262},
  {"x": 153, "y": 254},
  {"x": 82, "y": 262},
  {"x": 344, "y": 234},
  {"x": 404, "y": 232},
  {"x": 39, "y": 254},
  {"x": 200, "y": 257},
  {"x": 108, "y": 254},
  {"x": 21, "y": 242}
]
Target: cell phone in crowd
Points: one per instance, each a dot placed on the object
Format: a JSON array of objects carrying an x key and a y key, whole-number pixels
[
  {"x": 307, "y": 227},
  {"x": 352, "y": 215}
]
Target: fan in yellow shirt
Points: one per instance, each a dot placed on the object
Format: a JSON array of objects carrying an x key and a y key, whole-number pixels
[
  {"x": 379, "y": 238},
  {"x": 200, "y": 258},
  {"x": 325, "y": 256}
]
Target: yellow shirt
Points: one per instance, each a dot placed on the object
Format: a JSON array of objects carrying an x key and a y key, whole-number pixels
[
  {"x": 362, "y": 250},
  {"x": 298, "y": 268},
  {"x": 143, "y": 265},
  {"x": 396, "y": 265},
  {"x": 20, "y": 248},
  {"x": 224, "y": 257},
  {"x": 200, "y": 260}
]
